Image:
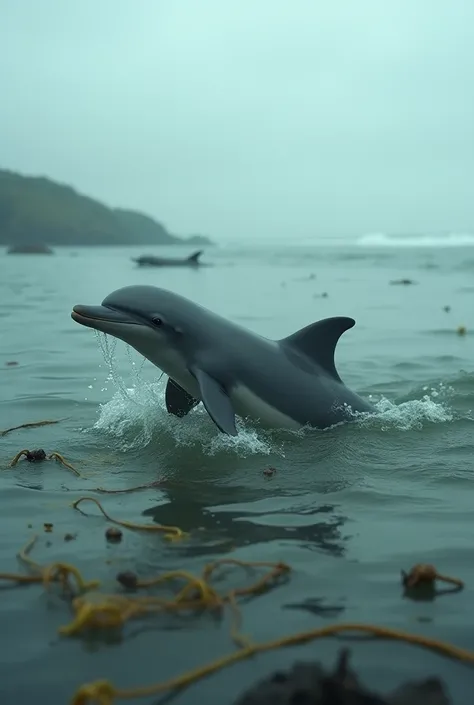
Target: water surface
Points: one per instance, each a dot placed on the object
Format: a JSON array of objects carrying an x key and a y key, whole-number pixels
[{"x": 347, "y": 508}]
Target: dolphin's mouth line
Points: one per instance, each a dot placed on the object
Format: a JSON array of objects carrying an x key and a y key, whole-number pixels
[{"x": 81, "y": 314}]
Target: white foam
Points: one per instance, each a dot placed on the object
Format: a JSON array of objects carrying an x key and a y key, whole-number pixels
[
  {"x": 426, "y": 240},
  {"x": 136, "y": 415},
  {"x": 410, "y": 415}
]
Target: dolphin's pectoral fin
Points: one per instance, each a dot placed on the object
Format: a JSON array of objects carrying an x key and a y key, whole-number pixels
[
  {"x": 318, "y": 341},
  {"x": 178, "y": 401},
  {"x": 216, "y": 401}
]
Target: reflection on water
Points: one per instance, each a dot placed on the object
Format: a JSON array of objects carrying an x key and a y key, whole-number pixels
[{"x": 219, "y": 529}]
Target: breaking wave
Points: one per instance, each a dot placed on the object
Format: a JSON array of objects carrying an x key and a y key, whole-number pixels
[{"x": 427, "y": 240}]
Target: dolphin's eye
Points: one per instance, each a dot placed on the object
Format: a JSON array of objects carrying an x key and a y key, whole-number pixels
[{"x": 156, "y": 320}]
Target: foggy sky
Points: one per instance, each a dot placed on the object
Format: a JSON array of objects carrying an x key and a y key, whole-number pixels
[{"x": 265, "y": 118}]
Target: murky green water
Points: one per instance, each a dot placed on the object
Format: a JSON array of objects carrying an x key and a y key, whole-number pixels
[{"x": 347, "y": 508}]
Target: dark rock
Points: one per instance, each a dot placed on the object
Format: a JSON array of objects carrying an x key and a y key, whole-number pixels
[{"x": 307, "y": 683}]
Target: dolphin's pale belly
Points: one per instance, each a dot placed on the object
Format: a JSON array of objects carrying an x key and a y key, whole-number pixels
[
  {"x": 173, "y": 366},
  {"x": 247, "y": 403}
]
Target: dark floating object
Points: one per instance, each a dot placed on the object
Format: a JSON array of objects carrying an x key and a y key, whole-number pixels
[
  {"x": 447, "y": 309},
  {"x": 151, "y": 261},
  {"x": 403, "y": 281},
  {"x": 269, "y": 472},
  {"x": 309, "y": 684},
  {"x": 113, "y": 535},
  {"x": 35, "y": 456},
  {"x": 30, "y": 249},
  {"x": 317, "y": 607},
  {"x": 128, "y": 579},
  {"x": 324, "y": 295},
  {"x": 310, "y": 277}
]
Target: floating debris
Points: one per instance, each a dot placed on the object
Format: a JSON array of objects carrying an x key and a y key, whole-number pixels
[
  {"x": 420, "y": 582},
  {"x": 37, "y": 456},
  {"x": 35, "y": 424},
  {"x": 95, "y": 610},
  {"x": 113, "y": 535}
]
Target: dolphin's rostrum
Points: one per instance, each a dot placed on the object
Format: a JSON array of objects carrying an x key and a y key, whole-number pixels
[{"x": 286, "y": 383}]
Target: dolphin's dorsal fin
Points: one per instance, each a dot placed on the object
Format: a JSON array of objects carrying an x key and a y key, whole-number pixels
[
  {"x": 318, "y": 341},
  {"x": 195, "y": 256}
]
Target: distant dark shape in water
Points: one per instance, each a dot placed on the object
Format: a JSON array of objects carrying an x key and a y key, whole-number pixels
[
  {"x": 305, "y": 279},
  {"x": 152, "y": 261},
  {"x": 287, "y": 383},
  {"x": 324, "y": 295},
  {"x": 39, "y": 248},
  {"x": 447, "y": 309},
  {"x": 309, "y": 683},
  {"x": 405, "y": 282}
]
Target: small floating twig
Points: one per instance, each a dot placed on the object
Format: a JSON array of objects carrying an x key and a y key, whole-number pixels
[{"x": 35, "y": 424}]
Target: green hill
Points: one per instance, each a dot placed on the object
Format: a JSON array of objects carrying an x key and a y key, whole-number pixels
[{"x": 36, "y": 209}]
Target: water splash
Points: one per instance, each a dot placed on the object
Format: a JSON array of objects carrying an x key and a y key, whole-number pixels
[
  {"x": 413, "y": 414},
  {"x": 136, "y": 416},
  {"x": 139, "y": 417},
  {"x": 107, "y": 347}
]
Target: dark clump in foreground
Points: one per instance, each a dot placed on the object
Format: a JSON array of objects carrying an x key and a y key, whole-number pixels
[
  {"x": 35, "y": 456},
  {"x": 307, "y": 683}
]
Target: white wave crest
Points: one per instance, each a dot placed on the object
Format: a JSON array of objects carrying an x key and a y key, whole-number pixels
[{"x": 427, "y": 240}]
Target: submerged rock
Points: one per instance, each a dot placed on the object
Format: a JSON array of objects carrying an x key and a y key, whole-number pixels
[{"x": 307, "y": 683}]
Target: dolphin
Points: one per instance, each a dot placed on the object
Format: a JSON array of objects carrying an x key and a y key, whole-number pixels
[
  {"x": 287, "y": 383},
  {"x": 151, "y": 261}
]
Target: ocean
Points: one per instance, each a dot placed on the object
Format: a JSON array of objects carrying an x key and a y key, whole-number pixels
[{"x": 347, "y": 509}]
